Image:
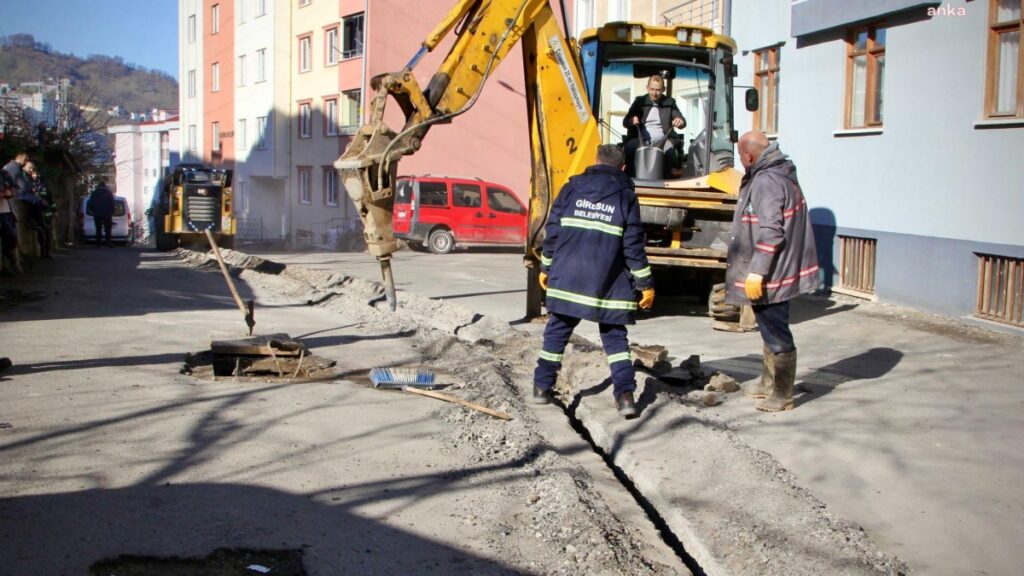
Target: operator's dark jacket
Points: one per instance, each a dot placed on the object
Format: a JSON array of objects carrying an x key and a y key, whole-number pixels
[
  {"x": 101, "y": 202},
  {"x": 771, "y": 233},
  {"x": 641, "y": 107},
  {"x": 594, "y": 248}
]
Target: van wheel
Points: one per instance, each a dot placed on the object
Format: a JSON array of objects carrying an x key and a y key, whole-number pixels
[{"x": 441, "y": 241}]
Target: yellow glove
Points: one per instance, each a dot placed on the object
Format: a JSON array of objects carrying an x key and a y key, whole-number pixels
[
  {"x": 543, "y": 279},
  {"x": 646, "y": 299},
  {"x": 753, "y": 287}
]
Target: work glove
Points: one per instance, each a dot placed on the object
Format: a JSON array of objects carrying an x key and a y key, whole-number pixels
[
  {"x": 646, "y": 298},
  {"x": 543, "y": 279},
  {"x": 753, "y": 287}
]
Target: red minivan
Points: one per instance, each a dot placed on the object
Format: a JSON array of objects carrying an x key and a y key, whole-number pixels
[{"x": 438, "y": 212}]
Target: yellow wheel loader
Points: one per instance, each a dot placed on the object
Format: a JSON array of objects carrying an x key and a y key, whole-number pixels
[{"x": 194, "y": 199}]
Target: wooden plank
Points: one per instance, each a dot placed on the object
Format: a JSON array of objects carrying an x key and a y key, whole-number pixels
[
  {"x": 266, "y": 345},
  {"x": 679, "y": 261},
  {"x": 459, "y": 401},
  {"x": 701, "y": 252}
]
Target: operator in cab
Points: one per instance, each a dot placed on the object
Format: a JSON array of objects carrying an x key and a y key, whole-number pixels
[{"x": 649, "y": 122}]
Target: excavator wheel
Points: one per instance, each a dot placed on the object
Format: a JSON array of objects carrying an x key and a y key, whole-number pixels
[{"x": 166, "y": 242}]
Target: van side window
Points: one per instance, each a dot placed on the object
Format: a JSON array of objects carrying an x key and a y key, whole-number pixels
[
  {"x": 434, "y": 194},
  {"x": 466, "y": 195},
  {"x": 501, "y": 201}
]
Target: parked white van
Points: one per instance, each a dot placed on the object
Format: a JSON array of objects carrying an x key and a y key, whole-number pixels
[{"x": 122, "y": 221}]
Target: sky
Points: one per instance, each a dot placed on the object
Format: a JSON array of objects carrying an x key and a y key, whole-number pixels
[{"x": 142, "y": 32}]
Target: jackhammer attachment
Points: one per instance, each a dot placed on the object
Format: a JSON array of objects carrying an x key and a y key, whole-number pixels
[{"x": 367, "y": 171}]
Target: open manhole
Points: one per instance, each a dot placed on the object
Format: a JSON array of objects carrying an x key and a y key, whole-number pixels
[
  {"x": 222, "y": 562},
  {"x": 260, "y": 358}
]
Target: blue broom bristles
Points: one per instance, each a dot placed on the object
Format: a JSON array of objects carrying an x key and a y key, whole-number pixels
[{"x": 398, "y": 377}]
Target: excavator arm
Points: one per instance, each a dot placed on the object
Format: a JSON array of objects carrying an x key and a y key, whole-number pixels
[{"x": 563, "y": 132}]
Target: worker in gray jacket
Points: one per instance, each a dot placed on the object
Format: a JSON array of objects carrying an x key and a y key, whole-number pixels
[{"x": 772, "y": 259}]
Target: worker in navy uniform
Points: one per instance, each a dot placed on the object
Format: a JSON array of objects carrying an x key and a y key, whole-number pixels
[{"x": 592, "y": 265}]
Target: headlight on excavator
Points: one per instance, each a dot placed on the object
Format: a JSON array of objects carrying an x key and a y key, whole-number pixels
[
  {"x": 683, "y": 35},
  {"x": 697, "y": 37},
  {"x": 636, "y": 34}
]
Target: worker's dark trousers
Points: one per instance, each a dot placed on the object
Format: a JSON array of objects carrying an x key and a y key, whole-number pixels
[
  {"x": 613, "y": 339},
  {"x": 773, "y": 323},
  {"x": 103, "y": 226}
]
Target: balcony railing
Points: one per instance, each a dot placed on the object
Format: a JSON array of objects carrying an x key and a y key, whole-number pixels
[{"x": 706, "y": 13}]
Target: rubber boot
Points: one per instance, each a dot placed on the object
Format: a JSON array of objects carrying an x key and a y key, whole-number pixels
[
  {"x": 783, "y": 375},
  {"x": 763, "y": 389}
]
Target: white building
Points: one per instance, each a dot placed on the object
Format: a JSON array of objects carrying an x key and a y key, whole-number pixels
[{"x": 142, "y": 155}]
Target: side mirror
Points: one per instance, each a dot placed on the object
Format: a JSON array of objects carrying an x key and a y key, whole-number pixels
[{"x": 751, "y": 99}]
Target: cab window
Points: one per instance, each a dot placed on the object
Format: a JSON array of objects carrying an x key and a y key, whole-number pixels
[
  {"x": 501, "y": 201},
  {"x": 434, "y": 194},
  {"x": 466, "y": 195}
]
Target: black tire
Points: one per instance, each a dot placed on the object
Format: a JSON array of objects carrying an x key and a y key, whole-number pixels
[
  {"x": 441, "y": 241},
  {"x": 227, "y": 242},
  {"x": 166, "y": 242}
]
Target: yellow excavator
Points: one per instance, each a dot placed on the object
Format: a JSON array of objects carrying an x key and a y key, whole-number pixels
[{"x": 578, "y": 91}]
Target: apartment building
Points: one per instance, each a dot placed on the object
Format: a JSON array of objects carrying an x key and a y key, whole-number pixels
[
  {"x": 262, "y": 119},
  {"x": 192, "y": 85},
  {"x": 906, "y": 122}
]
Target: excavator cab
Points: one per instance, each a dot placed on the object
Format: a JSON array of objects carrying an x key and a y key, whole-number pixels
[{"x": 697, "y": 68}]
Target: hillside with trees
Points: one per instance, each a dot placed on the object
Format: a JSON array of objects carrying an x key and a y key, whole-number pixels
[{"x": 103, "y": 81}]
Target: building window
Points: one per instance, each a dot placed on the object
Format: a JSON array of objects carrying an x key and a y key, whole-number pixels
[
  {"x": 857, "y": 265},
  {"x": 353, "y": 36},
  {"x": 331, "y": 117},
  {"x": 241, "y": 197},
  {"x": 261, "y": 8},
  {"x": 261, "y": 65},
  {"x": 240, "y": 17},
  {"x": 215, "y": 136},
  {"x": 618, "y": 10},
  {"x": 305, "y": 53},
  {"x": 766, "y": 79},
  {"x": 330, "y": 186},
  {"x": 192, "y": 138},
  {"x": 865, "y": 72},
  {"x": 1004, "y": 93},
  {"x": 332, "y": 51},
  {"x": 240, "y": 138},
  {"x": 215, "y": 77},
  {"x": 191, "y": 83},
  {"x": 215, "y": 19},
  {"x": 305, "y": 184},
  {"x": 305, "y": 120},
  {"x": 584, "y": 15},
  {"x": 191, "y": 28},
  {"x": 261, "y": 132},
  {"x": 241, "y": 70},
  {"x": 350, "y": 116},
  {"x": 304, "y": 3},
  {"x": 1000, "y": 292}
]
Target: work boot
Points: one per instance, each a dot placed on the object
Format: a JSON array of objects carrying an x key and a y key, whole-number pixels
[
  {"x": 542, "y": 395},
  {"x": 763, "y": 389},
  {"x": 5, "y": 363},
  {"x": 783, "y": 375},
  {"x": 626, "y": 406}
]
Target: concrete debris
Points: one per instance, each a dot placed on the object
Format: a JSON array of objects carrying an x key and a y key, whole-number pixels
[
  {"x": 692, "y": 363},
  {"x": 648, "y": 356},
  {"x": 710, "y": 399},
  {"x": 722, "y": 383}
]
